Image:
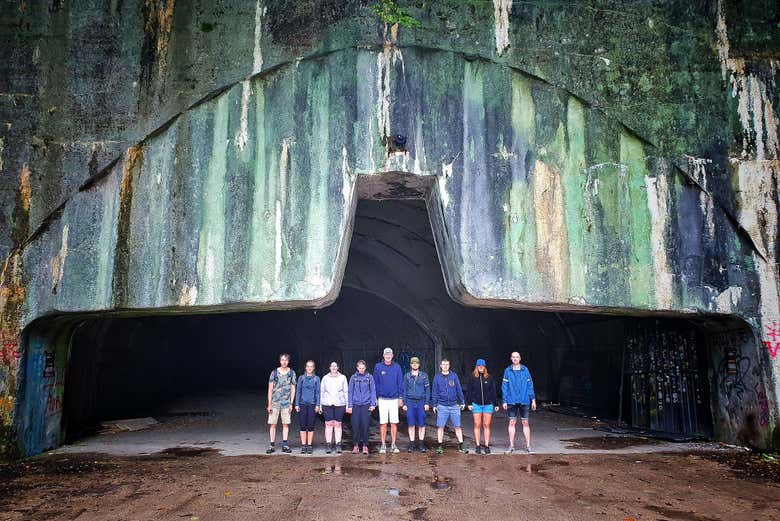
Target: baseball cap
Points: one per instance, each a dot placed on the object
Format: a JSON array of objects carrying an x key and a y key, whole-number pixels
[
  {"x": 481, "y": 361},
  {"x": 414, "y": 360},
  {"x": 387, "y": 351}
]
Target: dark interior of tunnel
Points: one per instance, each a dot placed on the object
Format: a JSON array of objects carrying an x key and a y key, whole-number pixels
[{"x": 652, "y": 373}]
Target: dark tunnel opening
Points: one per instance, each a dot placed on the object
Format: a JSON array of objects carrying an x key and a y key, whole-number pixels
[{"x": 651, "y": 372}]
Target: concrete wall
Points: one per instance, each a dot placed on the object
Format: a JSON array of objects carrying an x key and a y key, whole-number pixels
[{"x": 181, "y": 157}]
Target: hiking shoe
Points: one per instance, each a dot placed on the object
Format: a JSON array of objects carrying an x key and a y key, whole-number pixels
[
  {"x": 328, "y": 449},
  {"x": 462, "y": 449},
  {"x": 286, "y": 448},
  {"x": 395, "y": 449},
  {"x": 383, "y": 449},
  {"x": 478, "y": 450},
  {"x": 410, "y": 448},
  {"x": 440, "y": 449},
  {"x": 309, "y": 449},
  {"x": 510, "y": 450},
  {"x": 365, "y": 449},
  {"x": 355, "y": 449},
  {"x": 338, "y": 448},
  {"x": 486, "y": 449},
  {"x": 270, "y": 450},
  {"x": 528, "y": 450},
  {"x": 421, "y": 447},
  {"x": 304, "y": 449}
]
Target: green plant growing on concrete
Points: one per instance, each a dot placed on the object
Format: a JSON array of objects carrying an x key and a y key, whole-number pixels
[{"x": 391, "y": 13}]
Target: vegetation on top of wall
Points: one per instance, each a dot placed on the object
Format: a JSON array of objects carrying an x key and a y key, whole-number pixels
[{"x": 391, "y": 13}]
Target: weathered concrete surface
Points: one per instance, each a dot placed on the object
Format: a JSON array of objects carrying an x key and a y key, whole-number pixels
[{"x": 189, "y": 156}]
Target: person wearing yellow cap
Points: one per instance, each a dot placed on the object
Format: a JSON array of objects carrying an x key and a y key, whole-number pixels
[{"x": 417, "y": 395}]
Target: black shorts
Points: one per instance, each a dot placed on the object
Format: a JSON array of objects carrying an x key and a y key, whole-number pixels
[
  {"x": 334, "y": 412},
  {"x": 307, "y": 417},
  {"x": 518, "y": 409}
]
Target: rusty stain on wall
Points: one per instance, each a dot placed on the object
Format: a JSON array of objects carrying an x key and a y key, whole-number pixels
[{"x": 552, "y": 247}]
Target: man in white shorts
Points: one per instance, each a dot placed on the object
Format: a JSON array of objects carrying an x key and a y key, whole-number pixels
[{"x": 389, "y": 390}]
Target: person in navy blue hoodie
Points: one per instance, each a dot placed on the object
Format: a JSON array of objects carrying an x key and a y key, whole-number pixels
[
  {"x": 307, "y": 405},
  {"x": 417, "y": 397},
  {"x": 517, "y": 389},
  {"x": 389, "y": 391},
  {"x": 361, "y": 401},
  {"x": 447, "y": 400}
]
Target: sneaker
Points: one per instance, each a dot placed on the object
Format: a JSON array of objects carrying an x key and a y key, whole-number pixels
[
  {"x": 528, "y": 450},
  {"x": 478, "y": 450},
  {"x": 462, "y": 449},
  {"x": 328, "y": 449},
  {"x": 486, "y": 449},
  {"x": 421, "y": 447},
  {"x": 509, "y": 450},
  {"x": 270, "y": 450},
  {"x": 365, "y": 449},
  {"x": 383, "y": 449},
  {"x": 286, "y": 448},
  {"x": 355, "y": 449},
  {"x": 304, "y": 449},
  {"x": 395, "y": 449},
  {"x": 310, "y": 450},
  {"x": 410, "y": 448},
  {"x": 337, "y": 447},
  {"x": 440, "y": 449}
]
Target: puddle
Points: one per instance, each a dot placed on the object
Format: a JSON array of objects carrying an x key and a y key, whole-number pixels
[
  {"x": 441, "y": 484},
  {"x": 185, "y": 452},
  {"x": 349, "y": 471},
  {"x": 394, "y": 492},
  {"x": 608, "y": 442}
]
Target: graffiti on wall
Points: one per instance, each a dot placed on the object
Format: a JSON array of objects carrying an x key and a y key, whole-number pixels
[
  {"x": 763, "y": 406},
  {"x": 9, "y": 348},
  {"x": 772, "y": 338}
]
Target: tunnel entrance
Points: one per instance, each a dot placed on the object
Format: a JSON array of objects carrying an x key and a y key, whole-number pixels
[{"x": 652, "y": 373}]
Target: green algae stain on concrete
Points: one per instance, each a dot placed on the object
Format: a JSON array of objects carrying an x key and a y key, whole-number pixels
[
  {"x": 640, "y": 262},
  {"x": 317, "y": 273},
  {"x": 574, "y": 202},
  {"x": 211, "y": 246},
  {"x": 262, "y": 246},
  {"x": 520, "y": 239}
]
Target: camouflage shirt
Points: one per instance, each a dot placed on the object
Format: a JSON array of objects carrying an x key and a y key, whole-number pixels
[{"x": 283, "y": 383}]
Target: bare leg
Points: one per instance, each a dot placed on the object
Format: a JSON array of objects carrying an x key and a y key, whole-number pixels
[
  {"x": 310, "y": 437},
  {"x": 393, "y": 432},
  {"x": 527, "y": 433},
  {"x": 328, "y": 432},
  {"x": 272, "y": 433},
  {"x": 411, "y": 434},
  {"x": 285, "y": 431},
  {"x": 303, "y": 437},
  {"x": 477, "y": 427},
  {"x": 487, "y": 419},
  {"x": 459, "y": 434},
  {"x": 512, "y": 423},
  {"x": 440, "y": 435},
  {"x": 383, "y": 433},
  {"x": 337, "y": 429},
  {"x": 421, "y": 433}
]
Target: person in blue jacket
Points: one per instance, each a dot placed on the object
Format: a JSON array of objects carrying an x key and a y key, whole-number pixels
[
  {"x": 389, "y": 397},
  {"x": 417, "y": 396},
  {"x": 307, "y": 405},
  {"x": 362, "y": 401},
  {"x": 517, "y": 389},
  {"x": 447, "y": 400}
]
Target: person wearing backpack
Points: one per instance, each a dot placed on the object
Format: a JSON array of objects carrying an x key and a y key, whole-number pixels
[
  {"x": 361, "y": 402},
  {"x": 281, "y": 396},
  {"x": 334, "y": 394},
  {"x": 483, "y": 402},
  {"x": 307, "y": 405}
]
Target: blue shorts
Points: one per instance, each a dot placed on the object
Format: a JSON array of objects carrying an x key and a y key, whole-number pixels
[
  {"x": 518, "y": 409},
  {"x": 482, "y": 409},
  {"x": 415, "y": 413},
  {"x": 445, "y": 412}
]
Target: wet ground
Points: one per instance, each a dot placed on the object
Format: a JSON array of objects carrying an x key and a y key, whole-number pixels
[
  {"x": 205, "y": 461},
  {"x": 199, "y": 484}
]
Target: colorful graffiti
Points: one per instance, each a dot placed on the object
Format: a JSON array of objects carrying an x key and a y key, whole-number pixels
[
  {"x": 772, "y": 338},
  {"x": 9, "y": 348},
  {"x": 763, "y": 406}
]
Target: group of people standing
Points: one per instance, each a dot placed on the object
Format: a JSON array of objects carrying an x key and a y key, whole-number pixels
[{"x": 388, "y": 388}]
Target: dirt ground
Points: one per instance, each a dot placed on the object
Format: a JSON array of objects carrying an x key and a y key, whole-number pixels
[{"x": 200, "y": 484}]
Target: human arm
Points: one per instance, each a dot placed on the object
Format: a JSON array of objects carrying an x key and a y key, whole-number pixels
[
  {"x": 372, "y": 387},
  {"x": 270, "y": 392},
  {"x": 459, "y": 393},
  {"x": 293, "y": 395},
  {"x": 317, "y": 383},
  {"x": 427, "y": 390},
  {"x": 531, "y": 393},
  {"x": 434, "y": 393},
  {"x": 399, "y": 382},
  {"x": 297, "y": 401},
  {"x": 504, "y": 389}
]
